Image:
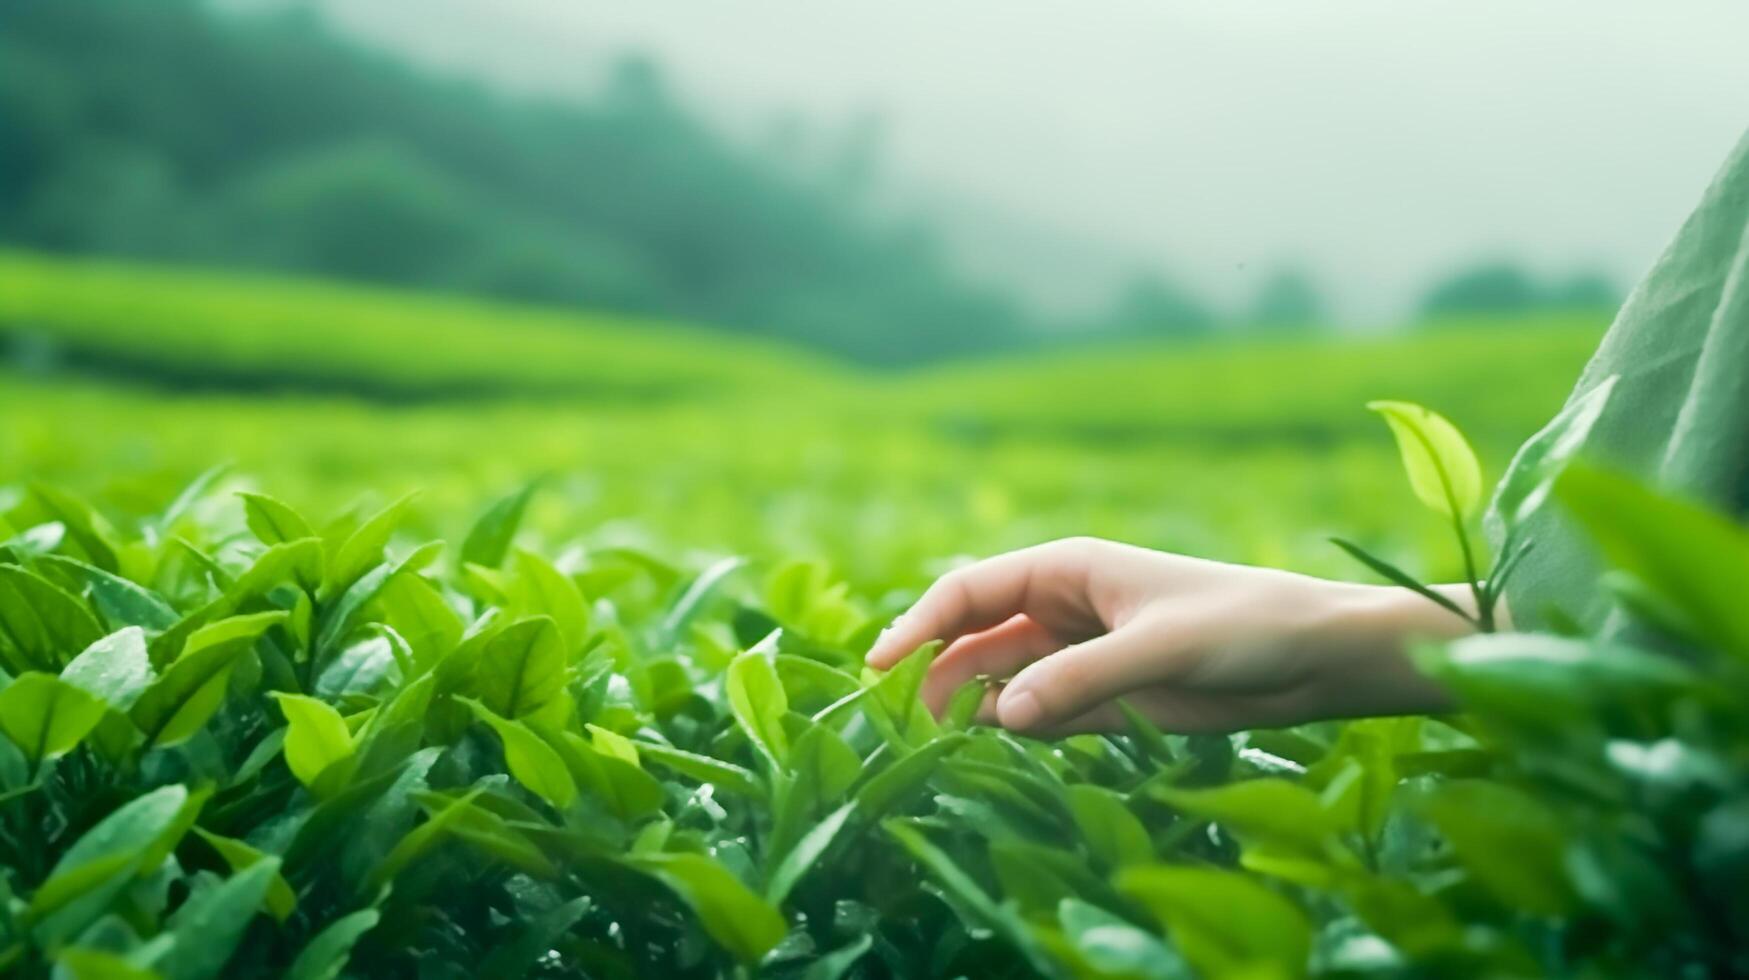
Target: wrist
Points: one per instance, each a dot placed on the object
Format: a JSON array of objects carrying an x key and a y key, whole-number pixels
[{"x": 1367, "y": 635}]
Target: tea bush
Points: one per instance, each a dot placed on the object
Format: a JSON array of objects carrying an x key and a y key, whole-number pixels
[{"x": 242, "y": 744}]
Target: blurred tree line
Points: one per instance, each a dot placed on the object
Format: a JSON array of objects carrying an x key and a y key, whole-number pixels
[
  {"x": 1496, "y": 287},
  {"x": 159, "y": 129},
  {"x": 1288, "y": 301}
]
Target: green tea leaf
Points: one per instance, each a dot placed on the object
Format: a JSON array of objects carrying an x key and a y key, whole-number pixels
[
  {"x": 205, "y": 931},
  {"x": 532, "y": 761},
  {"x": 37, "y": 541},
  {"x": 317, "y": 742},
  {"x": 153, "y": 856},
  {"x": 837, "y": 963},
  {"x": 893, "y": 705},
  {"x": 1263, "y": 809},
  {"x": 1512, "y": 843},
  {"x": 421, "y": 839},
  {"x": 698, "y": 593},
  {"x": 724, "y": 775},
  {"x": 1147, "y": 734},
  {"x": 187, "y": 693},
  {"x": 968, "y": 899},
  {"x": 94, "y": 964},
  {"x": 341, "y": 617},
  {"x": 45, "y": 716},
  {"x": 1114, "y": 946},
  {"x": 272, "y": 521},
  {"x": 612, "y": 743},
  {"x": 481, "y": 827},
  {"x": 757, "y": 700},
  {"x": 101, "y": 862},
  {"x": 325, "y": 956},
  {"x": 120, "y": 601},
  {"x": 803, "y": 597},
  {"x": 627, "y": 791},
  {"x": 892, "y": 785},
  {"x": 191, "y": 494},
  {"x": 363, "y": 550},
  {"x": 534, "y": 940},
  {"x": 1691, "y": 558},
  {"x": 229, "y": 632},
  {"x": 1114, "y": 834},
  {"x": 41, "y": 625},
  {"x": 218, "y": 576},
  {"x": 805, "y": 853},
  {"x": 523, "y": 668},
  {"x": 1442, "y": 467},
  {"x": 86, "y": 528},
  {"x": 1552, "y": 683},
  {"x": 417, "y": 610},
  {"x": 298, "y": 562},
  {"x": 539, "y": 589},
  {"x": 823, "y": 761},
  {"x": 1357, "y": 778},
  {"x": 1226, "y": 924},
  {"x": 489, "y": 540},
  {"x": 1037, "y": 878},
  {"x": 115, "y": 669},
  {"x": 962, "y": 707},
  {"x": 740, "y": 921},
  {"x": 280, "y": 901},
  {"x": 806, "y": 680}
]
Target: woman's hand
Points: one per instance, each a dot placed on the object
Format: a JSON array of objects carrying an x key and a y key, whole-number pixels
[{"x": 1198, "y": 646}]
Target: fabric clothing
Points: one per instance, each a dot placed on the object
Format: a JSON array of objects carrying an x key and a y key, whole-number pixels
[{"x": 1679, "y": 414}]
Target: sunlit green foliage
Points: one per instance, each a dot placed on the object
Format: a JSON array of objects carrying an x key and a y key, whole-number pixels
[{"x": 227, "y": 753}]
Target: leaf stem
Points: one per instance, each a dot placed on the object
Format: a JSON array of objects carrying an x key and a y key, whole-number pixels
[
  {"x": 1484, "y": 601},
  {"x": 1404, "y": 579}
]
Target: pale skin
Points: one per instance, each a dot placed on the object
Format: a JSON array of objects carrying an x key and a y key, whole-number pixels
[{"x": 1068, "y": 628}]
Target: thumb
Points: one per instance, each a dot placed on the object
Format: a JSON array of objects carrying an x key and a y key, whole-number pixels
[{"x": 1079, "y": 678}]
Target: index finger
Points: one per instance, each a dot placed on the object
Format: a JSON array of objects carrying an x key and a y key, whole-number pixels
[{"x": 977, "y": 597}]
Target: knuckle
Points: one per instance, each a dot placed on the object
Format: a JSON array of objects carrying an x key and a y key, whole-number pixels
[
  {"x": 950, "y": 593},
  {"x": 956, "y": 575},
  {"x": 1083, "y": 544},
  {"x": 955, "y": 585}
]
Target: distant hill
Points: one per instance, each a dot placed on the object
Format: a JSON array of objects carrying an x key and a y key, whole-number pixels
[
  {"x": 165, "y": 131},
  {"x": 256, "y": 335},
  {"x": 226, "y": 332}
]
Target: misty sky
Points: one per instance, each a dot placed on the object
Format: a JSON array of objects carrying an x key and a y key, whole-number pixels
[{"x": 1376, "y": 143}]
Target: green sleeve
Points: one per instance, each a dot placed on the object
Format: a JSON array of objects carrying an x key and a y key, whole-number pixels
[{"x": 1679, "y": 415}]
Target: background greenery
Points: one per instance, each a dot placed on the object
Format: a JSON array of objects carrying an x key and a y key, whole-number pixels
[{"x": 595, "y": 447}]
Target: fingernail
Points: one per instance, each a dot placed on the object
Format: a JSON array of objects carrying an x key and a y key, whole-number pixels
[
  {"x": 875, "y": 648},
  {"x": 1019, "y": 710}
]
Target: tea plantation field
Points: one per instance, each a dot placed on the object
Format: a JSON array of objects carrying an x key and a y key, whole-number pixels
[
  {"x": 351, "y": 634},
  {"x": 333, "y": 396}
]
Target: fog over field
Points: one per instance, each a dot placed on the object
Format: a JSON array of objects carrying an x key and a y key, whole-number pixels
[{"x": 1063, "y": 146}]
